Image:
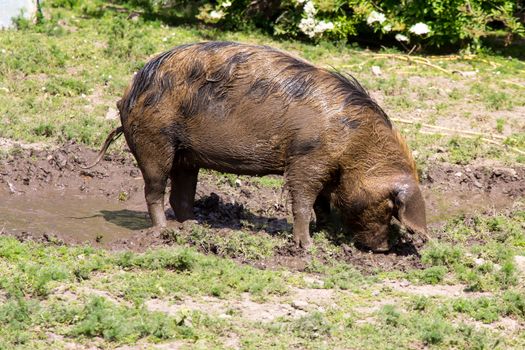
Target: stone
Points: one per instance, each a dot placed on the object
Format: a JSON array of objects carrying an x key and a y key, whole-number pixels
[
  {"x": 300, "y": 305},
  {"x": 520, "y": 263},
  {"x": 376, "y": 70},
  {"x": 111, "y": 114}
]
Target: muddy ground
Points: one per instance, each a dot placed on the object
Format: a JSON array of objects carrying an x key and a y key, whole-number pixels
[{"x": 47, "y": 196}]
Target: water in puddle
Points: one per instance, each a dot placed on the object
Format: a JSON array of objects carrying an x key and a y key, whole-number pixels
[
  {"x": 442, "y": 206},
  {"x": 76, "y": 218},
  {"x": 71, "y": 216}
]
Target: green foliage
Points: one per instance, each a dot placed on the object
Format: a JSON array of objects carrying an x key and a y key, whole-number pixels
[
  {"x": 431, "y": 23},
  {"x": 487, "y": 265},
  {"x": 390, "y": 315},
  {"x": 490, "y": 309},
  {"x": 102, "y": 318},
  {"x": 344, "y": 277},
  {"x": 39, "y": 268},
  {"x": 499, "y": 100},
  {"x": 176, "y": 260},
  {"x": 434, "y": 332},
  {"x": 311, "y": 326},
  {"x": 442, "y": 255},
  {"x": 44, "y": 129},
  {"x": 432, "y": 275},
  {"x": 516, "y": 140},
  {"x": 481, "y": 309},
  {"x": 514, "y": 303},
  {"x": 234, "y": 244},
  {"x": 65, "y": 86}
]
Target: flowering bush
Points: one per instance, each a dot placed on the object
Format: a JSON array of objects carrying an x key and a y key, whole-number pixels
[{"x": 434, "y": 23}]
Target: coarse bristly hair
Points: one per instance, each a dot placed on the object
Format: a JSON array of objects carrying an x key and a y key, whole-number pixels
[
  {"x": 145, "y": 78},
  {"x": 356, "y": 95},
  {"x": 296, "y": 80}
]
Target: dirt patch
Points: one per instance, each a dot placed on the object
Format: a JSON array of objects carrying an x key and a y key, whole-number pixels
[
  {"x": 520, "y": 263},
  {"x": 506, "y": 325},
  {"x": 47, "y": 196},
  {"x": 450, "y": 190},
  {"x": 173, "y": 345},
  {"x": 297, "y": 304},
  {"x": 448, "y": 291}
]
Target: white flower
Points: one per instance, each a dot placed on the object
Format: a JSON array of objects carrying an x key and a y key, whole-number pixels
[
  {"x": 387, "y": 28},
  {"x": 323, "y": 26},
  {"x": 216, "y": 14},
  {"x": 226, "y": 4},
  {"x": 307, "y": 26},
  {"x": 375, "y": 17},
  {"x": 401, "y": 37},
  {"x": 309, "y": 9},
  {"x": 419, "y": 28}
]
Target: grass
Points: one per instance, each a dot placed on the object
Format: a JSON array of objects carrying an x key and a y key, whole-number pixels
[
  {"x": 59, "y": 79},
  {"x": 91, "y": 296},
  {"x": 237, "y": 244}
]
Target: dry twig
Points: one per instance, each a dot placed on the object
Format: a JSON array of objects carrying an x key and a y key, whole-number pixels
[
  {"x": 461, "y": 133},
  {"x": 411, "y": 122},
  {"x": 415, "y": 60}
]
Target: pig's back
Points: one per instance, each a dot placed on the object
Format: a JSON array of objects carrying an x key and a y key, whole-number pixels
[{"x": 240, "y": 108}]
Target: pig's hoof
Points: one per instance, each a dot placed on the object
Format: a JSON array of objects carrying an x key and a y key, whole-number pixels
[
  {"x": 303, "y": 243},
  {"x": 155, "y": 230}
]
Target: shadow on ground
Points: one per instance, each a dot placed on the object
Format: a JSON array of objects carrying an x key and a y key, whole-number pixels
[{"x": 130, "y": 219}]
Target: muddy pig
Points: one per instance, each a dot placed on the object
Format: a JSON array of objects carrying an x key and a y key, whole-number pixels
[{"x": 255, "y": 110}]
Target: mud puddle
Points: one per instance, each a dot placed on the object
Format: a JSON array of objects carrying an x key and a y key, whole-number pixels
[
  {"x": 70, "y": 216},
  {"x": 444, "y": 206},
  {"x": 46, "y": 193}
]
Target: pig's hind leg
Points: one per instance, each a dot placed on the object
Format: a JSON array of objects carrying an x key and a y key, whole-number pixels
[
  {"x": 154, "y": 187},
  {"x": 155, "y": 159},
  {"x": 183, "y": 186}
]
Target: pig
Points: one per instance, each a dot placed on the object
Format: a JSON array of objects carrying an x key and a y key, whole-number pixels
[{"x": 256, "y": 110}]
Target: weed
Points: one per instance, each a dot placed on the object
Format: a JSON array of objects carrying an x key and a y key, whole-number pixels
[
  {"x": 420, "y": 303},
  {"x": 500, "y": 124},
  {"x": 235, "y": 244},
  {"x": 101, "y": 318},
  {"x": 311, "y": 326},
  {"x": 344, "y": 277},
  {"x": 268, "y": 181},
  {"x": 442, "y": 255},
  {"x": 431, "y": 275},
  {"x": 516, "y": 140},
  {"x": 390, "y": 315},
  {"x": 434, "y": 332},
  {"x": 171, "y": 259},
  {"x": 44, "y": 129},
  {"x": 66, "y": 86},
  {"x": 481, "y": 309},
  {"x": 455, "y": 94},
  {"x": 514, "y": 303},
  {"x": 498, "y": 100}
]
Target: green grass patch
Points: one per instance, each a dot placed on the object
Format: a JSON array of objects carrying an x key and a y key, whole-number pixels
[{"x": 233, "y": 244}]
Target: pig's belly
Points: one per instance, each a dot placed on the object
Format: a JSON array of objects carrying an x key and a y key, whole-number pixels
[{"x": 240, "y": 156}]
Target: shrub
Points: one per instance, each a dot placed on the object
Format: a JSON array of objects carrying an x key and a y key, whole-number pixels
[{"x": 435, "y": 23}]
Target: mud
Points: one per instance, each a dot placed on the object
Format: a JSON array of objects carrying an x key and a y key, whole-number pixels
[{"x": 45, "y": 195}]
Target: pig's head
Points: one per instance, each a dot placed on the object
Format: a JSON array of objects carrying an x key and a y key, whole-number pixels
[{"x": 369, "y": 206}]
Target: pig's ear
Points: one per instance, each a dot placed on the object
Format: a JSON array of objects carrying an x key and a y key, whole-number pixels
[{"x": 409, "y": 207}]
